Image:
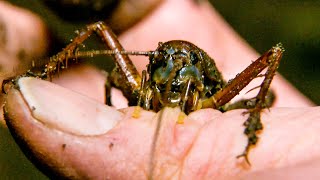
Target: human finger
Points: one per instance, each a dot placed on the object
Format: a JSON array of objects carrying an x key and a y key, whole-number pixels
[
  {"x": 304, "y": 170},
  {"x": 203, "y": 147},
  {"x": 22, "y": 39}
]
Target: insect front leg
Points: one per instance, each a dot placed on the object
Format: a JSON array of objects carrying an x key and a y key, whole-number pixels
[
  {"x": 128, "y": 79},
  {"x": 269, "y": 60}
]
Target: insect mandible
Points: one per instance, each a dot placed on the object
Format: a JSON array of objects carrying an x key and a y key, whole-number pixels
[{"x": 179, "y": 74}]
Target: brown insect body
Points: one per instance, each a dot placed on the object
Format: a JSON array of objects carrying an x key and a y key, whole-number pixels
[{"x": 180, "y": 74}]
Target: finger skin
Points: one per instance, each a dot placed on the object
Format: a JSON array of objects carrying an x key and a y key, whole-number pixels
[
  {"x": 83, "y": 79},
  {"x": 62, "y": 154},
  {"x": 304, "y": 170},
  {"x": 204, "y": 147},
  {"x": 70, "y": 154}
]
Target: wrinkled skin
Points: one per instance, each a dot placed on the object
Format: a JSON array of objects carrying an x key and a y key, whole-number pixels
[{"x": 69, "y": 139}]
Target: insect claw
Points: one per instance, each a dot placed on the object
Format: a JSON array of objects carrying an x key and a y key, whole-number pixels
[
  {"x": 245, "y": 156},
  {"x": 7, "y": 84},
  {"x": 136, "y": 112},
  {"x": 181, "y": 117}
]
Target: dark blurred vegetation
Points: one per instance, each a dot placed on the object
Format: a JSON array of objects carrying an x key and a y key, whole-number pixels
[
  {"x": 295, "y": 23},
  {"x": 262, "y": 23}
]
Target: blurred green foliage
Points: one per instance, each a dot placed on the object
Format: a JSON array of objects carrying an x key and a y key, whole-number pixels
[{"x": 295, "y": 23}]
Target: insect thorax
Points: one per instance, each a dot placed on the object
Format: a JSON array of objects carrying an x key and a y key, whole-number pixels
[{"x": 180, "y": 74}]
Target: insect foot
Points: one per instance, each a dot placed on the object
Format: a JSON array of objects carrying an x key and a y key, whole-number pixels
[{"x": 253, "y": 125}]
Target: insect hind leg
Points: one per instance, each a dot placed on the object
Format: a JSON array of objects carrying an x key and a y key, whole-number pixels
[
  {"x": 269, "y": 60},
  {"x": 253, "y": 124}
]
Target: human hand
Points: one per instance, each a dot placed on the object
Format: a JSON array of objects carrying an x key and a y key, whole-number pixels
[{"x": 70, "y": 148}]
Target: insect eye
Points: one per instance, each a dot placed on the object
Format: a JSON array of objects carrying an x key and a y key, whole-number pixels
[
  {"x": 194, "y": 58},
  {"x": 170, "y": 51}
]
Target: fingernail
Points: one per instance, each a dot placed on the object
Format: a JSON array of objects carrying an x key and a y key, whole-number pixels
[{"x": 65, "y": 110}]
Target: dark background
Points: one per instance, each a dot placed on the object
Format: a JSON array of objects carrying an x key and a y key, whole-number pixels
[{"x": 295, "y": 23}]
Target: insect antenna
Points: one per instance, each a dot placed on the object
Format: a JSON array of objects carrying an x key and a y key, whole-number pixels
[
  {"x": 61, "y": 60},
  {"x": 153, "y": 160},
  {"x": 92, "y": 53}
]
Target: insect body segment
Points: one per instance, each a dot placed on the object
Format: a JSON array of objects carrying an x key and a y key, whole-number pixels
[{"x": 178, "y": 76}]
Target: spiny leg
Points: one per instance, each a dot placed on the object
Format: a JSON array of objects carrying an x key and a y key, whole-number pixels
[
  {"x": 70, "y": 52},
  {"x": 126, "y": 71},
  {"x": 270, "y": 59},
  {"x": 130, "y": 78},
  {"x": 240, "y": 81},
  {"x": 253, "y": 123}
]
